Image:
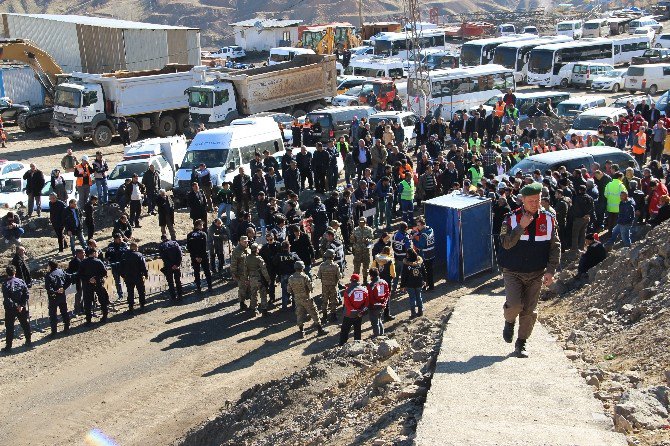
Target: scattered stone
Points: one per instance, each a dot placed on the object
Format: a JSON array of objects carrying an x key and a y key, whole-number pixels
[
  {"x": 603, "y": 396},
  {"x": 593, "y": 381},
  {"x": 622, "y": 425},
  {"x": 386, "y": 376},
  {"x": 572, "y": 355},
  {"x": 667, "y": 376},
  {"x": 356, "y": 348},
  {"x": 645, "y": 408},
  {"x": 413, "y": 391},
  {"x": 388, "y": 348},
  {"x": 420, "y": 356},
  {"x": 379, "y": 442}
]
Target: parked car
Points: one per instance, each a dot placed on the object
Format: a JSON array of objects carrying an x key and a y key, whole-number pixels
[
  {"x": 574, "y": 106},
  {"x": 9, "y": 111},
  {"x": 584, "y": 72},
  {"x": 634, "y": 99},
  {"x": 69, "y": 188},
  {"x": 282, "y": 119},
  {"x": 645, "y": 31},
  {"x": 350, "y": 82},
  {"x": 530, "y": 30},
  {"x": 350, "y": 97},
  {"x": 662, "y": 40},
  {"x": 648, "y": 78},
  {"x": 12, "y": 169},
  {"x": 652, "y": 55},
  {"x": 644, "y": 21},
  {"x": 612, "y": 80},
  {"x": 407, "y": 120},
  {"x": 229, "y": 52},
  {"x": 571, "y": 159},
  {"x": 587, "y": 122},
  {"x": 362, "y": 51}
]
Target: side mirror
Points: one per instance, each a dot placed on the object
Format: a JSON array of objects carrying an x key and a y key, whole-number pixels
[{"x": 176, "y": 167}]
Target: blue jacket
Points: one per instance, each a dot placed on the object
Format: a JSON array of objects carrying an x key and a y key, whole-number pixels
[
  {"x": 170, "y": 253},
  {"x": 626, "y": 212},
  {"x": 14, "y": 294},
  {"x": 425, "y": 243},
  {"x": 383, "y": 193}
]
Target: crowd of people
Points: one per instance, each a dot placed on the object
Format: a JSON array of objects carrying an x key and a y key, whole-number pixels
[{"x": 281, "y": 243}]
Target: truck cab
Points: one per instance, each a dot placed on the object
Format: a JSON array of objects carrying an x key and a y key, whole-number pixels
[
  {"x": 384, "y": 89},
  {"x": 78, "y": 108},
  {"x": 212, "y": 104}
]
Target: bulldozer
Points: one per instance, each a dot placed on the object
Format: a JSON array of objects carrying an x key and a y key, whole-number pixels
[
  {"x": 325, "y": 39},
  {"x": 47, "y": 72}
]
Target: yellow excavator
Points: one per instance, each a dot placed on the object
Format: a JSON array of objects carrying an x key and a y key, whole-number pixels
[
  {"x": 327, "y": 38},
  {"x": 46, "y": 71}
]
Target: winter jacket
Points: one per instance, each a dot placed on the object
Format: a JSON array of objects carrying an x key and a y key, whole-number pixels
[
  {"x": 356, "y": 300},
  {"x": 413, "y": 274},
  {"x": 378, "y": 293}
]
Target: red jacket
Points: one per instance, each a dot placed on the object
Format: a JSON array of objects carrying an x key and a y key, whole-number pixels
[
  {"x": 624, "y": 126},
  {"x": 658, "y": 192},
  {"x": 355, "y": 300},
  {"x": 637, "y": 122},
  {"x": 379, "y": 293}
]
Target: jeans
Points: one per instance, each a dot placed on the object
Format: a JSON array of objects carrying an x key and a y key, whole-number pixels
[
  {"x": 78, "y": 235},
  {"x": 34, "y": 199},
  {"x": 135, "y": 211},
  {"x": 621, "y": 141},
  {"x": 116, "y": 273},
  {"x": 383, "y": 213},
  {"x": 84, "y": 192},
  {"x": 12, "y": 234},
  {"x": 377, "y": 320},
  {"x": 101, "y": 184},
  {"x": 285, "y": 297},
  {"x": 225, "y": 208},
  {"x": 262, "y": 223},
  {"x": 407, "y": 208},
  {"x": 415, "y": 301},
  {"x": 620, "y": 230}
]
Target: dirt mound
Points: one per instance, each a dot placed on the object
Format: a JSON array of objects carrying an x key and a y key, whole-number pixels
[
  {"x": 615, "y": 325},
  {"x": 363, "y": 392}
]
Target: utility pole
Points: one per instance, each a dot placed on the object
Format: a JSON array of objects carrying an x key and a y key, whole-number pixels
[
  {"x": 360, "y": 14},
  {"x": 417, "y": 76}
]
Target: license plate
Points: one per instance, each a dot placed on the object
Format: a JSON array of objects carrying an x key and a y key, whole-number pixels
[{"x": 633, "y": 81}]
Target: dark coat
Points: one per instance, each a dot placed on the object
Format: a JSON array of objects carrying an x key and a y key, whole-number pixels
[
  {"x": 320, "y": 161},
  {"x": 56, "y": 215},
  {"x": 129, "y": 190},
  {"x": 197, "y": 204},
  {"x": 241, "y": 186},
  {"x": 292, "y": 180},
  {"x": 196, "y": 243},
  {"x": 69, "y": 220},
  {"x": 170, "y": 253},
  {"x": 303, "y": 248},
  {"x": 22, "y": 270},
  {"x": 34, "y": 181},
  {"x": 165, "y": 207},
  {"x": 151, "y": 181},
  {"x": 134, "y": 268}
]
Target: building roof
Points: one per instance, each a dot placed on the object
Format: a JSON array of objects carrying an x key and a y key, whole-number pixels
[
  {"x": 267, "y": 23},
  {"x": 99, "y": 21}
]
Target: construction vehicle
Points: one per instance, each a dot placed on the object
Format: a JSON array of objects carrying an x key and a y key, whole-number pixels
[
  {"x": 296, "y": 87},
  {"x": 89, "y": 106},
  {"x": 46, "y": 71},
  {"x": 384, "y": 89},
  {"x": 325, "y": 39},
  {"x": 469, "y": 30}
]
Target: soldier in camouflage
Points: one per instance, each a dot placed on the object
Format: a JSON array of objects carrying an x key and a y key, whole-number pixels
[
  {"x": 237, "y": 270},
  {"x": 300, "y": 286},
  {"x": 330, "y": 275},
  {"x": 361, "y": 237},
  {"x": 256, "y": 274}
]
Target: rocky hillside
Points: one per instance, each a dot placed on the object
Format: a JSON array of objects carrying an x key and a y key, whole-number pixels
[
  {"x": 615, "y": 327},
  {"x": 213, "y": 16}
]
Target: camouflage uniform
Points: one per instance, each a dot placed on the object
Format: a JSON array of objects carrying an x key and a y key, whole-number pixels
[
  {"x": 360, "y": 239},
  {"x": 330, "y": 275},
  {"x": 300, "y": 286},
  {"x": 257, "y": 274},
  {"x": 323, "y": 241},
  {"x": 237, "y": 269}
]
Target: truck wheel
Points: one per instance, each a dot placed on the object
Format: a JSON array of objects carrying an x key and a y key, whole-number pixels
[
  {"x": 183, "y": 123},
  {"x": 102, "y": 136},
  {"x": 564, "y": 83},
  {"x": 30, "y": 123},
  {"x": 298, "y": 113},
  {"x": 653, "y": 89},
  {"x": 621, "y": 29},
  {"x": 167, "y": 126},
  {"x": 133, "y": 131}
]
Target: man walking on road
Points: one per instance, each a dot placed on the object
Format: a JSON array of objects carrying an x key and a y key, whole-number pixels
[
  {"x": 300, "y": 285},
  {"x": 15, "y": 301},
  {"x": 530, "y": 254}
]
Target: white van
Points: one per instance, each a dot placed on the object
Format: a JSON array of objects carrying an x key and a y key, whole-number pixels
[
  {"x": 596, "y": 28},
  {"x": 407, "y": 120},
  {"x": 584, "y": 72},
  {"x": 225, "y": 149},
  {"x": 283, "y": 54},
  {"x": 571, "y": 28},
  {"x": 506, "y": 29},
  {"x": 645, "y": 21},
  {"x": 574, "y": 106},
  {"x": 587, "y": 123},
  {"x": 648, "y": 78}
]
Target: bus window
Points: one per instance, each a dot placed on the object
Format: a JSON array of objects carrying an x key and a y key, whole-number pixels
[
  {"x": 395, "y": 73},
  {"x": 463, "y": 85}
]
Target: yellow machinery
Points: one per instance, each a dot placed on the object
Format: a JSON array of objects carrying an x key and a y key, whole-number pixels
[{"x": 325, "y": 39}]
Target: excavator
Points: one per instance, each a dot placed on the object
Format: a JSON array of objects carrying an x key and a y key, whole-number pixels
[
  {"x": 325, "y": 39},
  {"x": 46, "y": 71}
]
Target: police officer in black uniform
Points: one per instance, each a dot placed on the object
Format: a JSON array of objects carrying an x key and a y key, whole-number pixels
[
  {"x": 284, "y": 265},
  {"x": 134, "y": 272},
  {"x": 317, "y": 211},
  {"x": 114, "y": 256},
  {"x": 15, "y": 300},
  {"x": 196, "y": 243},
  {"x": 56, "y": 282},
  {"x": 92, "y": 274},
  {"x": 268, "y": 252},
  {"x": 73, "y": 273},
  {"x": 425, "y": 243},
  {"x": 170, "y": 253}
]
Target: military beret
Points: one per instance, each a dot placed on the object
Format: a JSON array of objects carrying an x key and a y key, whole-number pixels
[{"x": 531, "y": 189}]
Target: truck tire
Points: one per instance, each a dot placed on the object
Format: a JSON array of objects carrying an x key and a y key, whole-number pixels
[
  {"x": 183, "y": 123},
  {"x": 102, "y": 136},
  {"x": 167, "y": 126},
  {"x": 133, "y": 131},
  {"x": 621, "y": 29},
  {"x": 298, "y": 112}
]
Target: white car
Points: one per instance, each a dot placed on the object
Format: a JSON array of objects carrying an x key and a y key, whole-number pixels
[
  {"x": 645, "y": 31},
  {"x": 350, "y": 97},
  {"x": 13, "y": 195},
  {"x": 530, "y": 30},
  {"x": 662, "y": 41},
  {"x": 69, "y": 187},
  {"x": 612, "y": 81},
  {"x": 407, "y": 120},
  {"x": 361, "y": 51},
  {"x": 12, "y": 169},
  {"x": 229, "y": 52}
]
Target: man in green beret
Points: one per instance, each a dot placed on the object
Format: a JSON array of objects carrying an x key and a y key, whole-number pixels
[{"x": 530, "y": 254}]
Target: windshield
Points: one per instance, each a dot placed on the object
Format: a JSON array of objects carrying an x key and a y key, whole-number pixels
[
  {"x": 383, "y": 48},
  {"x": 211, "y": 157},
  {"x": 471, "y": 54},
  {"x": 493, "y": 101},
  {"x": 635, "y": 71},
  {"x": 651, "y": 53},
  {"x": 541, "y": 61},
  {"x": 613, "y": 73},
  {"x": 68, "y": 98},
  {"x": 565, "y": 26},
  {"x": 567, "y": 109},
  {"x": 355, "y": 91},
  {"x": 322, "y": 119},
  {"x": 278, "y": 58},
  {"x": 587, "y": 122},
  {"x": 200, "y": 99},
  {"x": 527, "y": 165},
  {"x": 123, "y": 171},
  {"x": 11, "y": 185},
  {"x": 592, "y": 25},
  {"x": 505, "y": 57}
]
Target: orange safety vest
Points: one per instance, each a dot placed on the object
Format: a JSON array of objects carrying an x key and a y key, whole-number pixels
[
  {"x": 499, "y": 110},
  {"x": 82, "y": 173},
  {"x": 640, "y": 146}
]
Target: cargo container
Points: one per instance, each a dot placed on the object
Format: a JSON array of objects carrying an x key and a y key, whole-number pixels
[
  {"x": 18, "y": 83},
  {"x": 101, "y": 45}
]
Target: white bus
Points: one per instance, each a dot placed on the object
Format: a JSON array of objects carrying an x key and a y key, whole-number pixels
[
  {"x": 444, "y": 92},
  {"x": 400, "y": 44},
  {"x": 514, "y": 55},
  {"x": 392, "y": 67},
  {"x": 545, "y": 61},
  {"x": 480, "y": 51},
  {"x": 625, "y": 48}
]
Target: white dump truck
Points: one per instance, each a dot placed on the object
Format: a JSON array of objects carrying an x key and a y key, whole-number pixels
[
  {"x": 89, "y": 106},
  {"x": 296, "y": 87}
]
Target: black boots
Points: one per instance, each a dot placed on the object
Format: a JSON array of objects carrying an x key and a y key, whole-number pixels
[
  {"x": 324, "y": 318},
  {"x": 321, "y": 331},
  {"x": 508, "y": 332},
  {"x": 520, "y": 348}
]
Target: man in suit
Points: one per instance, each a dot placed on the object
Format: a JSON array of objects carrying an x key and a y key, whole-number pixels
[
  {"x": 474, "y": 124},
  {"x": 546, "y": 133},
  {"x": 497, "y": 168}
]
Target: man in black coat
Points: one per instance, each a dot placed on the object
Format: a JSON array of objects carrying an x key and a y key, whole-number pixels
[
  {"x": 595, "y": 253},
  {"x": 258, "y": 183},
  {"x": 34, "y": 184},
  {"x": 114, "y": 255},
  {"x": 301, "y": 245},
  {"x": 19, "y": 262},
  {"x": 15, "y": 301},
  {"x": 242, "y": 190},
  {"x": 286, "y": 160},
  {"x": 92, "y": 273},
  {"x": 320, "y": 165},
  {"x": 170, "y": 253},
  {"x": 56, "y": 210},
  {"x": 196, "y": 244},
  {"x": 56, "y": 282},
  {"x": 165, "y": 207},
  {"x": 304, "y": 164},
  {"x": 197, "y": 204},
  {"x": 134, "y": 272},
  {"x": 317, "y": 211},
  {"x": 73, "y": 273},
  {"x": 293, "y": 179},
  {"x": 152, "y": 182},
  {"x": 73, "y": 223}
]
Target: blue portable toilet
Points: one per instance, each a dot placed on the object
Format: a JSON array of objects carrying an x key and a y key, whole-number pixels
[{"x": 463, "y": 225}]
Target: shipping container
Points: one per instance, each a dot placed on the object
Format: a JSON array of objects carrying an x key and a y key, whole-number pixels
[
  {"x": 18, "y": 83},
  {"x": 101, "y": 45}
]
